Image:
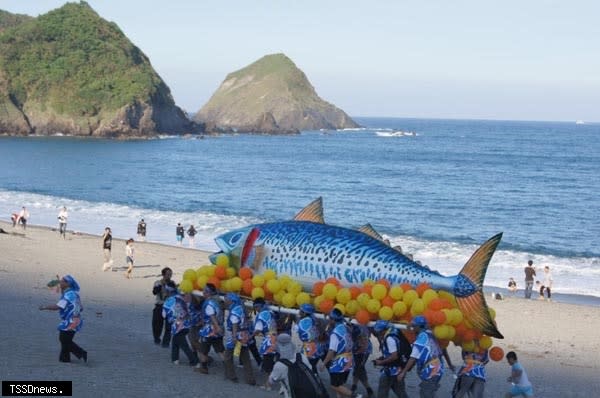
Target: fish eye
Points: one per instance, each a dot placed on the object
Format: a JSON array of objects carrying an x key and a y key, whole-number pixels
[{"x": 235, "y": 238}]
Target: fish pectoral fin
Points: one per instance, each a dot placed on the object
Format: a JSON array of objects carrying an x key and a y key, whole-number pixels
[
  {"x": 368, "y": 229},
  {"x": 260, "y": 252},
  {"x": 313, "y": 212}
]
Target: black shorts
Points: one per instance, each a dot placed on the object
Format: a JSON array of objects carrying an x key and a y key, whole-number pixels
[
  {"x": 215, "y": 342},
  {"x": 359, "y": 366},
  {"x": 267, "y": 363},
  {"x": 338, "y": 379}
]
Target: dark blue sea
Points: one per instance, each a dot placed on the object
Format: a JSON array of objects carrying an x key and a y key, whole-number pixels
[{"x": 438, "y": 193}]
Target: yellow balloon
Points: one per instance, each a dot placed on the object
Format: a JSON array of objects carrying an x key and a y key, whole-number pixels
[
  {"x": 330, "y": 291},
  {"x": 485, "y": 342},
  {"x": 386, "y": 313},
  {"x": 285, "y": 280},
  {"x": 363, "y": 299},
  {"x": 378, "y": 291},
  {"x": 210, "y": 270},
  {"x": 235, "y": 284},
  {"x": 343, "y": 295},
  {"x": 258, "y": 281},
  {"x": 302, "y": 298},
  {"x": 396, "y": 292},
  {"x": 492, "y": 312},
  {"x": 230, "y": 272},
  {"x": 373, "y": 306},
  {"x": 352, "y": 307},
  {"x": 273, "y": 285},
  {"x": 258, "y": 292},
  {"x": 399, "y": 308},
  {"x": 186, "y": 286},
  {"x": 222, "y": 260},
  {"x": 341, "y": 308},
  {"x": 294, "y": 288},
  {"x": 440, "y": 332},
  {"x": 468, "y": 345},
  {"x": 288, "y": 300},
  {"x": 428, "y": 295},
  {"x": 409, "y": 296},
  {"x": 456, "y": 317},
  {"x": 448, "y": 296},
  {"x": 417, "y": 307},
  {"x": 318, "y": 300},
  {"x": 189, "y": 275},
  {"x": 269, "y": 274},
  {"x": 278, "y": 297},
  {"x": 225, "y": 285},
  {"x": 450, "y": 332},
  {"x": 201, "y": 281}
]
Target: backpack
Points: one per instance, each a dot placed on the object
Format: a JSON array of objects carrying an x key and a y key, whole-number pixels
[{"x": 303, "y": 382}]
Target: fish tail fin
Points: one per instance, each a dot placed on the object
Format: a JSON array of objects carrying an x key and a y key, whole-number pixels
[{"x": 473, "y": 304}]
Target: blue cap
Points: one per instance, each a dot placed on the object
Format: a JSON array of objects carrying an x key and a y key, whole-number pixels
[
  {"x": 336, "y": 315},
  {"x": 381, "y": 325},
  {"x": 234, "y": 298},
  {"x": 307, "y": 308},
  {"x": 420, "y": 321}
]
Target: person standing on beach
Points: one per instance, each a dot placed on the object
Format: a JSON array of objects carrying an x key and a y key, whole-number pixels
[
  {"x": 141, "y": 230},
  {"x": 529, "y": 274},
  {"x": 62, "y": 222},
  {"x": 520, "y": 384},
  {"x": 23, "y": 217},
  {"x": 107, "y": 247},
  {"x": 70, "y": 309},
  {"x": 547, "y": 284},
  {"x": 426, "y": 353},
  {"x": 191, "y": 234},
  {"x": 179, "y": 233},
  {"x": 129, "y": 253},
  {"x": 161, "y": 290}
]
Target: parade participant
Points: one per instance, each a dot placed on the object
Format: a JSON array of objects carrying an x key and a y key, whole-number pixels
[
  {"x": 161, "y": 290},
  {"x": 175, "y": 311},
  {"x": 62, "y": 222},
  {"x": 338, "y": 360},
  {"x": 395, "y": 350},
  {"x": 237, "y": 334},
  {"x": 70, "y": 309},
  {"x": 361, "y": 349},
  {"x": 265, "y": 325},
  {"x": 471, "y": 376},
  {"x": 195, "y": 308},
  {"x": 520, "y": 384},
  {"x": 426, "y": 353},
  {"x": 211, "y": 332},
  {"x": 308, "y": 333}
]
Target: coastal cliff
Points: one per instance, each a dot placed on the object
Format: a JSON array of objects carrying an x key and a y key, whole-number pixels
[
  {"x": 72, "y": 72},
  {"x": 270, "y": 96}
]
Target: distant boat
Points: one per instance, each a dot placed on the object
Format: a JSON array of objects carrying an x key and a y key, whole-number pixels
[
  {"x": 580, "y": 122},
  {"x": 396, "y": 133}
]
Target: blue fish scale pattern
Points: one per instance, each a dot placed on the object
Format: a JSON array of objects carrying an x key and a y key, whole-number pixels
[{"x": 309, "y": 252}]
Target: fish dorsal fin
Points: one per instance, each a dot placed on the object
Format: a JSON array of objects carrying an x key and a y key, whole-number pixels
[
  {"x": 369, "y": 230},
  {"x": 313, "y": 212}
]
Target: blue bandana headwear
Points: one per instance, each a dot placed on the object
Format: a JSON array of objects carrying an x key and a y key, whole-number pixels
[
  {"x": 234, "y": 298},
  {"x": 72, "y": 282}
]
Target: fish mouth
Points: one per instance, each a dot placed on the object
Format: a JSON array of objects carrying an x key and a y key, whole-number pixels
[{"x": 237, "y": 246}]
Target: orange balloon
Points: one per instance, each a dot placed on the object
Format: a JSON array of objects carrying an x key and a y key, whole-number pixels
[
  {"x": 355, "y": 291},
  {"x": 363, "y": 317},
  {"x": 333, "y": 280},
  {"x": 318, "y": 288},
  {"x": 221, "y": 272},
  {"x": 326, "y": 306},
  {"x": 245, "y": 273},
  {"x": 496, "y": 353},
  {"x": 422, "y": 287},
  {"x": 438, "y": 318},
  {"x": 406, "y": 286},
  {"x": 367, "y": 288},
  {"x": 388, "y": 301},
  {"x": 247, "y": 286},
  {"x": 215, "y": 281}
]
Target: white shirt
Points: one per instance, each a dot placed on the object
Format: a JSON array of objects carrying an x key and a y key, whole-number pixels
[{"x": 62, "y": 216}]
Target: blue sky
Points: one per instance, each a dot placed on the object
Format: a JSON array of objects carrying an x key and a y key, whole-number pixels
[{"x": 520, "y": 60}]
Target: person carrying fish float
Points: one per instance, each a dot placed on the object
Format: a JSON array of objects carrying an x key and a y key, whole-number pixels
[
  {"x": 236, "y": 339},
  {"x": 338, "y": 360},
  {"x": 265, "y": 324},
  {"x": 308, "y": 334},
  {"x": 395, "y": 350},
  {"x": 427, "y": 355},
  {"x": 211, "y": 333},
  {"x": 308, "y": 250}
]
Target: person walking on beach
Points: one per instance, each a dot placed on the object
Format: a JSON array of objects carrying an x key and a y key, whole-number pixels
[
  {"x": 236, "y": 339},
  {"x": 308, "y": 334},
  {"x": 70, "y": 308},
  {"x": 162, "y": 289},
  {"x": 179, "y": 233},
  {"x": 175, "y": 311},
  {"x": 529, "y": 274},
  {"x": 141, "y": 230},
  {"x": 23, "y": 217},
  {"x": 211, "y": 333},
  {"x": 426, "y": 353},
  {"x": 547, "y": 284},
  {"x": 471, "y": 376},
  {"x": 265, "y": 324},
  {"x": 520, "y": 384},
  {"x": 62, "y": 222},
  {"x": 191, "y": 234},
  {"x": 361, "y": 350},
  {"x": 129, "y": 253},
  {"x": 395, "y": 350},
  {"x": 107, "y": 247}
]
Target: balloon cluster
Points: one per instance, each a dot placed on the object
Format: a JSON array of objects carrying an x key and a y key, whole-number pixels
[{"x": 371, "y": 301}]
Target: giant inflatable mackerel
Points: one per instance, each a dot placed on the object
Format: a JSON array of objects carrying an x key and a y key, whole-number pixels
[{"x": 309, "y": 250}]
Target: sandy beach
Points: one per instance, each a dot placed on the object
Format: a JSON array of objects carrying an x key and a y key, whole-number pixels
[{"x": 558, "y": 344}]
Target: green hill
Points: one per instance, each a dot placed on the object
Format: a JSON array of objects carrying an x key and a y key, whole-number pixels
[
  {"x": 70, "y": 71},
  {"x": 270, "y": 96}
]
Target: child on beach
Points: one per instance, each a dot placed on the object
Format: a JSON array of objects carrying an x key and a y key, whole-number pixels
[
  {"x": 512, "y": 285},
  {"x": 518, "y": 378},
  {"x": 129, "y": 257},
  {"x": 547, "y": 284}
]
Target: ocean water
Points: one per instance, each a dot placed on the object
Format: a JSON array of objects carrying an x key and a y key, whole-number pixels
[{"x": 438, "y": 194}]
